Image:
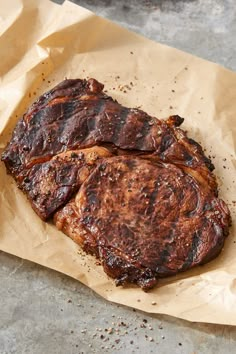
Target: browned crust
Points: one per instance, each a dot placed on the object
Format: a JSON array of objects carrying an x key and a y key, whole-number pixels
[{"x": 56, "y": 154}]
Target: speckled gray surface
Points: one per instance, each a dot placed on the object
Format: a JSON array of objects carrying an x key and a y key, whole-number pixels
[
  {"x": 42, "y": 311},
  {"x": 206, "y": 28}
]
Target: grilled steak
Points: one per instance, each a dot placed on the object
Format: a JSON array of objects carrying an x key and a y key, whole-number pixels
[
  {"x": 131, "y": 189},
  {"x": 77, "y": 114},
  {"x": 144, "y": 220},
  {"x": 51, "y": 184}
]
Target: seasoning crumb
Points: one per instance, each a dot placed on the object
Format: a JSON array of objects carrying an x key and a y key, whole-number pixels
[
  {"x": 172, "y": 90},
  {"x": 154, "y": 303},
  {"x": 69, "y": 301},
  {"x": 131, "y": 53},
  {"x": 171, "y": 107},
  {"x": 131, "y": 342},
  {"x": 180, "y": 344},
  {"x": 151, "y": 339}
]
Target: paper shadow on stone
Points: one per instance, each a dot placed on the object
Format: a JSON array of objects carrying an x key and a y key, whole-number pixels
[{"x": 218, "y": 330}]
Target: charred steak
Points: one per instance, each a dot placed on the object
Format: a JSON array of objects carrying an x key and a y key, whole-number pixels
[{"x": 129, "y": 188}]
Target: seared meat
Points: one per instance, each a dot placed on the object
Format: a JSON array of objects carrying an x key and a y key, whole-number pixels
[
  {"x": 51, "y": 184},
  {"x": 145, "y": 220},
  {"x": 77, "y": 114},
  {"x": 131, "y": 189}
]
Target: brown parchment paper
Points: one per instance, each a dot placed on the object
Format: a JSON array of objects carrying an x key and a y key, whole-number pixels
[{"x": 41, "y": 43}]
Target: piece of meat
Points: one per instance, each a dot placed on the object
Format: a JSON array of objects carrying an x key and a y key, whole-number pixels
[
  {"x": 51, "y": 184},
  {"x": 78, "y": 114},
  {"x": 145, "y": 220},
  {"x": 131, "y": 189}
]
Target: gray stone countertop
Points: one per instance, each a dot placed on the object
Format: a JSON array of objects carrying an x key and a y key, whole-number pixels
[{"x": 44, "y": 312}]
